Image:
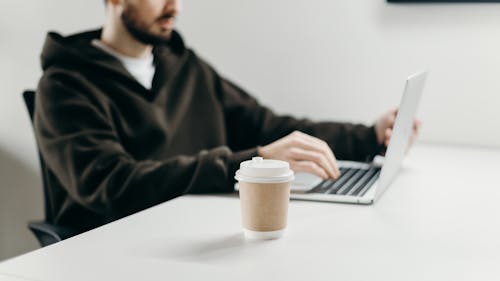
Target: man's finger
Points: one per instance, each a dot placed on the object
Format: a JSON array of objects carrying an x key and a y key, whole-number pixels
[
  {"x": 388, "y": 134},
  {"x": 318, "y": 158},
  {"x": 335, "y": 165},
  {"x": 395, "y": 111},
  {"x": 416, "y": 125},
  {"x": 319, "y": 145},
  {"x": 416, "y": 129}
]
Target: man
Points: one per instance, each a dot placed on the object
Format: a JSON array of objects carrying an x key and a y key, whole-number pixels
[{"x": 127, "y": 117}]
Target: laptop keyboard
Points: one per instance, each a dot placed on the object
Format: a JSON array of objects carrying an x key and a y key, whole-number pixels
[{"x": 352, "y": 182}]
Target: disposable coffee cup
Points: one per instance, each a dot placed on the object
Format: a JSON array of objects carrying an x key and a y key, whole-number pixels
[{"x": 264, "y": 187}]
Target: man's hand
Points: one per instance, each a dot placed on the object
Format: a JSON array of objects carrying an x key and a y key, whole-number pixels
[
  {"x": 305, "y": 153},
  {"x": 384, "y": 125}
]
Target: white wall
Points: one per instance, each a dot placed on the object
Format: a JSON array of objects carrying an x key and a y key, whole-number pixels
[
  {"x": 343, "y": 60},
  {"x": 348, "y": 59},
  {"x": 23, "y": 25}
]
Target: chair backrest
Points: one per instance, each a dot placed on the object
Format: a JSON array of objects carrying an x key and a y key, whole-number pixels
[{"x": 29, "y": 100}]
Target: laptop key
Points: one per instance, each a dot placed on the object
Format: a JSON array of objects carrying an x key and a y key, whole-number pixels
[
  {"x": 362, "y": 182},
  {"x": 324, "y": 185},
  {"x": 352, "y": 182},
  {"x": 327, "y": 185},
  {"x": 320, "y": 187},
  {"x": 340, "y": 182},
  {"x": 370, "y": 183}
]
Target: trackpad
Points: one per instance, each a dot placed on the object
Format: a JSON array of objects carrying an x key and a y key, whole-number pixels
[{"x": 304, "y": 182}]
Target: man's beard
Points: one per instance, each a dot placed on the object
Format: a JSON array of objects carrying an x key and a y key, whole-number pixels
[{"x": 140, "y": 33}]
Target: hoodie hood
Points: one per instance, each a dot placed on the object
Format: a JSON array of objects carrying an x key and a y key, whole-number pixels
[{"x": 77, "y": 50}]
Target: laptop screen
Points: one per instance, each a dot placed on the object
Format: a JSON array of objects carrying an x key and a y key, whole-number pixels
[{"x": 402, "y": 131}]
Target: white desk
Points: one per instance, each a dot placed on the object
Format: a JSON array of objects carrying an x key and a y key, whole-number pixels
[{"x": 438, "y": 221}]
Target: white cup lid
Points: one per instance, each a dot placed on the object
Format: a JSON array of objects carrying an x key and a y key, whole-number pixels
[{"x": 261, "y": 170}]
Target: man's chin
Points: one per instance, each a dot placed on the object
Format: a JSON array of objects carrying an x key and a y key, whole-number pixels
[
  {"x": 162, "y": 30},
  {"x": 167, "y": 33},
  {"x": 154, "y": 38},
  {"x": 162, "y": 34}
]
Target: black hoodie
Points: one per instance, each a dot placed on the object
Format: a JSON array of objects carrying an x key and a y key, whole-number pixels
[{"x": 113, "y": 147}]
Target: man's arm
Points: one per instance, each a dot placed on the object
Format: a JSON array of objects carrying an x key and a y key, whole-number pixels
[
  {"x": 80, "y": 146},
  {"x": 253, "y": 124},
  {"x": 250, "y": 124}
]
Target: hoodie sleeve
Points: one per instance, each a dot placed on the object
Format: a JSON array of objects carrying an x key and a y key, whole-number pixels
[
  {"x": 261, "y": 126},
  {"x": 80, "y": 146}
]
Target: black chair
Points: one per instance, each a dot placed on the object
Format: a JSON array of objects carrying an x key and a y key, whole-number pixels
[{"x": 45, "y": 231}]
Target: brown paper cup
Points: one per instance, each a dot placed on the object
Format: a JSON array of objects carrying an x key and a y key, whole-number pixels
[{"x": 264, "y": 209}]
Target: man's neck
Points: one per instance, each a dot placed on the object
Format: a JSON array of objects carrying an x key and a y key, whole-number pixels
[{"x": 116, "y": 36}]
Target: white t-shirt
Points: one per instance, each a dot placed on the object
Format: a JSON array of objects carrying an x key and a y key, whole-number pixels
[{"x": 142, "y": 69}]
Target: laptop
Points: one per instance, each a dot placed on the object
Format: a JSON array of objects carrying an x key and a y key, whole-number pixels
[{"x": 364, "y": 183}]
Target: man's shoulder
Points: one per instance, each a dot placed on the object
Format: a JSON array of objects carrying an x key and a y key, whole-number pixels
[
  {"x": 61, "y": 75},
  {"x": 58, "y": 83}
]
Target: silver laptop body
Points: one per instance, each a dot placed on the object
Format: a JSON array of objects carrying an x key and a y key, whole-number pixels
[{"x": 363, "y": 183}]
